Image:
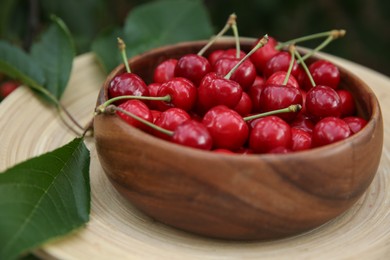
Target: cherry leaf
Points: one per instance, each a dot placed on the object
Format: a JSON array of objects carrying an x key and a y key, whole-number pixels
[
  {"x": 55, "y": 53},
  {"x": 43, "y": 198}
]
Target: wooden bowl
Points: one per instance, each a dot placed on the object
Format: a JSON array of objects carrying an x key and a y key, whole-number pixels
[{"x": 239, "y": 197}]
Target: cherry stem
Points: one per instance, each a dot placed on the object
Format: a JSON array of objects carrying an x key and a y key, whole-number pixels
[
  {"x": 260, "y": 44},
  {"x": 102, "y": 107},
  {"x": 318, "y": 48},
  {"x": 289, "y": 109},
  {"x": 112, "y": 108},
  {"x": 334, "y": 33},
  {"x": 122, "y": 49},
  {"x": 231, "y": 20},
  {"x": 237, "y": 39},
  {"x": 290, "y": 67},
  {"x": 302, "y": 62}
]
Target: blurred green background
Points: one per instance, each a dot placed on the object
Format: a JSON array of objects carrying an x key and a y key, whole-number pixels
[{"x": 367, "y": 22}]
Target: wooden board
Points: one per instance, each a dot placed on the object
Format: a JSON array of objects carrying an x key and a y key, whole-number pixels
[{"x": 118, "y": 231}]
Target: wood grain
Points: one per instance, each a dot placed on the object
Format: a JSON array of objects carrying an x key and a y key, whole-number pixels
[{"x": 118, "y": 231}]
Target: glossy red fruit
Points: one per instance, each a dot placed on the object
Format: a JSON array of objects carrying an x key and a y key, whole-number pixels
[
  {"x": 193, "y": 134},
  {"x": 258, "y": 81},
  {"x": 324, "y": 73},
  {"x": 192, "y": 67},
  {"x": 229, "y": 53},
  {"x": 323, "y": 101},
  {"x": 244, "y": 106},
  {"x": 223, "y": 151},
  {"x": 254, "y": 93},
  {"x": 156, "y": 114},
  {"x": 281, "y": 62},
  {"x": 303, "y": 122},
  {"x": 215, "y": 90},
  {"x": 301, "y": 140},
  {"x": 165, "y": 71},
  {"x": 7, "y": 88},
  {"x": 170, "y": 119},
  {"x": 269, "y": 133},
  {"x": 227, "y": 128},
  {"x": 348, "y": 107},
  {"x": 278, "y": 78},
  {"x": 183, "y": 94},
  {"x": 355, "y": 123},
  {"x": 153, "y": 90},
  {"x": 330, "y": 130},
  {"x": 245, "y": 74},
  {"x": 138, "y": 108},
  {"x": 275, "y": 97},
  {"x": 127, "y": 84},
  {"x": 260, "y": 57}
]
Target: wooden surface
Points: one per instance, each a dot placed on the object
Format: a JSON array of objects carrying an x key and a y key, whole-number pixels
[{"x": 118, "y": 231}]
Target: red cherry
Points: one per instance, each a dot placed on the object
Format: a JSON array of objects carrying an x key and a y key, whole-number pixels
[
  {"x": 170, "y": 119},
  {"x": 193, "y": 67},
  {"x": 215, "y": 90},
  {"x": 280, "y": 150},
  {"x": 355, "y": 123},
  {"x": 254, "y": 93},
  {"x": 329, "y": 130},
  {"x": 347, "y": 103},
  {"x": 303, "y": 122},
  {"x": 223, "y": 151},
  {"x": 138, "y": 108},
  {"x": 127, "y": 84},
  {"x": 268, "y": 134},
  {"x": 165, "y": 71},
  {"x": 301, "y": 140},
  {"x": 229, "y": 53},
  {"x": 7, "y": 88},
  {"x": 244, "y": 106},
  {"x": 245, "y": 75},
  {"x": 153, "y": 90},
  {"x": 323, "y": 101},
  {"x": 281, "y": 62},
  {"x": 258, "y": 81},
  {"x": 275, "y": 97},
  {"x": 156, "y": 114},
  {"x": 182, "y": 92},
  {"x": 262, "y": 55},
  {"x": 193, "y": 134},
  {"x": 324, "y": 73},
  {"x": 226, "y": 126},
  {"x": 278, "y": 78}
]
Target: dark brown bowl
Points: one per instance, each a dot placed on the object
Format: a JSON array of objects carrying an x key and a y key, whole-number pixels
[{"x": 240, "y": 197}]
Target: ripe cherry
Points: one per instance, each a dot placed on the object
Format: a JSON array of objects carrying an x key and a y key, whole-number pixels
[
  {"x": 254, "y": 93},
  {"x": 7, "y": 88},
  {"x": 323, "y": 101},
  {"x": 278, "y": 79},
  {"x": 193, "y": 134},
  {"x": 127, "y": 84},
  {"x": 193, "y": 67},
  {"x": 153, "y": 90},
  {"x": 138, "y": 108},
  {"x": 301, "y": 140},
  {"x": 170, "y": 119},
  {"x": 164, "y": 71},
  {"x": 355, "y": 123},
  {"x": 229, "y": 53},
  {"x": 281, "y": 62},
  {"x": 262, "y": 55},
  {"x": 324, "y": 73},
  {"x": 347, "y": 103},
  {"x": 303, "y": 122},
  {"x": 183, "y": 94},
  {"x": 227, "y": 127},
  {"x": 244, "y": 106},
  {"x": 268, "y": 134},
  {"x": 329, "y": 130}
]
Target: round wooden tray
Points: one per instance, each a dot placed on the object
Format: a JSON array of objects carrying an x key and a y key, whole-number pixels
[{"x": 118, "y": 231}]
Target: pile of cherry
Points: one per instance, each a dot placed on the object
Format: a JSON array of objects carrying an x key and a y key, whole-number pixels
[{"x": 267, "y": 104}]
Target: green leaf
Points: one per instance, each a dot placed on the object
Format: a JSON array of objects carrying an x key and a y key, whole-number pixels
[
  {"x": 55, "y": 53},
  {"x": 155, "y": 24},
  {"x": 43, "y": 198},
  {"x": 19, "y": 65}
]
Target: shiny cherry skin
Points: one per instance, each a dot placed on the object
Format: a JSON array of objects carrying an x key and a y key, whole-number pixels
[
  {"x": 275, "y": 97},
  {"x": 348, "y": 107},
  {"x": 244, "y": 106},
  {"x": 127, "y": 84},
  {"x": 165, "y": 71},
  {"x": 193, "y": 67},
  {"x": 170, "y": 119},
  {"x": 227, "y": 127},
  {"x": 183, "y": 94},
  {"x": 245, "y": 74},
  {"x": 324, "y": 73},
  {"x": 254, "y": 93},
  {"x": 156, "y": 114},
  {"x": 258, "y": 81},
  {"x": 355, "y": 123},
  {"x": 303, "y": 122},
  {"x": 153, "y": 90},
  {"x": 215, "y": 90},
  {"x": 138, "y": 108},
  {"x": 322, "y": 101},
  {"x": 260, "y": 57},
  {"x": 281, "y": 62},
  {"x": 278, "y": 79},
  {"x": 193, "y": 134},
  {"x": 6, "y": 88},
  {"x": 301, "y": 140},
  {"x": 229, "y": 53},
  {"x": 330, "y": 130},
  {"x": 269, "y": 133}
]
